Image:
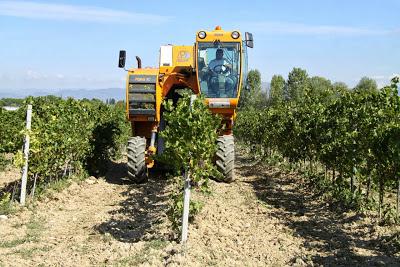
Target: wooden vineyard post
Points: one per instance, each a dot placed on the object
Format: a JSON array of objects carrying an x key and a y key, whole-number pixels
[
  {"x": 186, "y": 195},
  {"x": 26, "y": 156}
]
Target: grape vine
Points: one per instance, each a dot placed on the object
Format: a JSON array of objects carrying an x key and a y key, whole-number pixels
[
  {"x": 67, "y": 137},
  {"x": 354, "y": 134},
  {"x": 190, "y": 144}
]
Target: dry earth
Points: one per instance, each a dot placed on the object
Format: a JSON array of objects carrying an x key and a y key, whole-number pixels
[
  {"x": 10, "y": 174},
  {"x": 265, "y": 218}
]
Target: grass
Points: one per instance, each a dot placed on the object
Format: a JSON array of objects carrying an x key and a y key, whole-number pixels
[
  {"x": 49, "y": 189},
  {"x": 27, "y": 253},
  {"x": 13, "y": 243},
  {"x": 35, "y": 228},
  {"x": 6, "y": 205},
  {"x": 156, "y": 244},
  {"x": 144, "y": 254},
  {"x": 133, "y": 260}
]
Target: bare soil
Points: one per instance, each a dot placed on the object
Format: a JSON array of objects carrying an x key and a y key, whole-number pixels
[
  {"x": 10, "y": 174},
  {"x": 265, "y": 218}
]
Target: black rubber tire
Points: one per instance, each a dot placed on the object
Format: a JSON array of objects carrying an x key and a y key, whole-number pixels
[
  {"x": 137, "y": 170},
  {"x": 225, "y": 157}
]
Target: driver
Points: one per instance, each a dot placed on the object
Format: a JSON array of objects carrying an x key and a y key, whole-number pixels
[{"x": 219, "y": 66}]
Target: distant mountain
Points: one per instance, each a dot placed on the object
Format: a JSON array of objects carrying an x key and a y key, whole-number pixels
[{"x": 103, "y": 94}]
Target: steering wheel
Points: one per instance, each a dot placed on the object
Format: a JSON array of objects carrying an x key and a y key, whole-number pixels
[{"x": 219, "y": 70}]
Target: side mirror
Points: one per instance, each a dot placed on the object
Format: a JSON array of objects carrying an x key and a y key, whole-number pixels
[
  {"x": 122, "y": 58},
  {"x": 249, "y": 40}
]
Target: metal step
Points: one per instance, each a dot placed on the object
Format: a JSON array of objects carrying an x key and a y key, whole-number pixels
[
  {"x": 142, "y": 101},
  {"x": 139, "y": 111},
  {"x": 142, "y": 91}
]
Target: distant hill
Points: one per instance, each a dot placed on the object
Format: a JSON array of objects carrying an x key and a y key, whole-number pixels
[{"x": 103, "y": 94}]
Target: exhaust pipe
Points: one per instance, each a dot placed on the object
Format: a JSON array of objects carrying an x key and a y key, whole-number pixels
[{"x": 139, "y": 62}]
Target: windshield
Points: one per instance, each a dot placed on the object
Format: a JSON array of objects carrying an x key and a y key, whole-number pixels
[{"x": 219, "y": 69}]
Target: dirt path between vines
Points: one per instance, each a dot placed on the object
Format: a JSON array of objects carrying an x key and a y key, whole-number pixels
[{"x": 263, "y": 219}]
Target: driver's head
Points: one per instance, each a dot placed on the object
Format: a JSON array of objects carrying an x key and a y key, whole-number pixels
[{"x": 219, "y": 54}]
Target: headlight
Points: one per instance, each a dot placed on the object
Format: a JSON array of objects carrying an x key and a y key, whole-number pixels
[
  {"x": 202, "y": 34},
  {"x": 235, "y": 35}
]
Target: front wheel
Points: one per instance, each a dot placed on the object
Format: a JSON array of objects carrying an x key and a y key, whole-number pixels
[
  {"x": 225, "y": 157},
  {"x": 137, "y": 170}
]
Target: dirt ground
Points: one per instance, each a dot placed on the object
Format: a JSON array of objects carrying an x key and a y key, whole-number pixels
[
  {"x": 10, "y": 174},
  {"x": 264, "y": 218}
]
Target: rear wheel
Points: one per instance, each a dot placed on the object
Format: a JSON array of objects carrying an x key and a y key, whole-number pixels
[
  {"x": 137, "y": 170},
  {"x": 226, "y": 157}
]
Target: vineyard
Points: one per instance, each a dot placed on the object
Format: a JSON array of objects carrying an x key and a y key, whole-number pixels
[
  {"x": 317, "y": 181},
  {"x": 349, "y": 139},
  {"x": 68, "y": 138}
]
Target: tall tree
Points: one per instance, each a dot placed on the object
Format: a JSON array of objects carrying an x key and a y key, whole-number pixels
[
  {"x": 340, "y": 88},
  {"x": 277, "y": 92},
  {"x": 366, "y": 85},
  {"x": 254, "y": 81},
  {"x": 320, "y": 87},
  {"x": 297, "y": 84},
  {"x": 253, "y": 96}
]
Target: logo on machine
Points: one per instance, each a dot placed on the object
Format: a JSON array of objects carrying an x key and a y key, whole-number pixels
[
  {"x": 183, "y": 56},
  {"x": 142, "y": 79}
]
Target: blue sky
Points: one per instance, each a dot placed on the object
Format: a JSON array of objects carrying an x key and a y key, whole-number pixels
[{"x": 75, "y": 44}]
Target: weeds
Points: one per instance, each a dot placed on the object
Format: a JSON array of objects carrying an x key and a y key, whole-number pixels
[
  {"x": 27, "y": 253},
  {"x": 6, "y": 205},
  {"x": 35, "y": 228},
  {"x": 144, "y": 255}
]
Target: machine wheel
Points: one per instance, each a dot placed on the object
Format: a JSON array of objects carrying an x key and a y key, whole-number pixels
[
  {"x": 225, "y": 157},
  {"x": 137, "y": 170}
]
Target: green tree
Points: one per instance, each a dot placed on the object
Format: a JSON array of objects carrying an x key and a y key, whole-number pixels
[
  {"x": 340, "y": 88},
  {"x": 367, "y": 85},
  {"x": 277, "y": 89},
  {"x": 297, "y": 84},
  {"x": 253, "y": 96},
  {"x": 321, "y": 88}
]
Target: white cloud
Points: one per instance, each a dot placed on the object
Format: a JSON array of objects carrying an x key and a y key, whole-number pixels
[
  {"x": 34, "y": 75},
  {"x": 35, "y": 10},
  {"x": 378, "y": 77},
  {"x": 304, "y": 29}
]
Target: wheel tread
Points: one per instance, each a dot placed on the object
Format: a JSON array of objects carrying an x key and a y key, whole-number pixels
[
  {"x": 137, "y": 171},
  {"x": 226, "y": 157}
]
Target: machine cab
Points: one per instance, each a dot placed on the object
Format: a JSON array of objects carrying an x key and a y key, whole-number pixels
[{"x": 221, "y": 63}]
